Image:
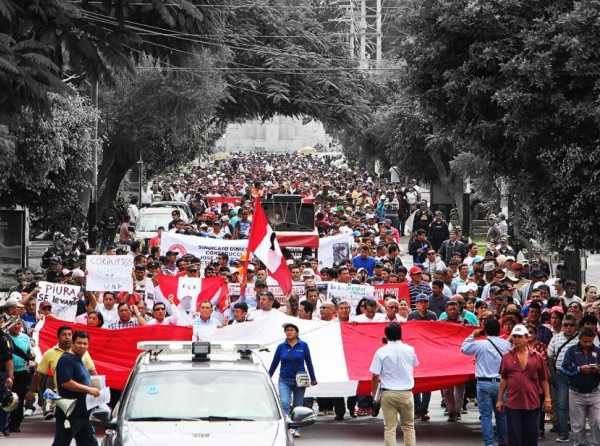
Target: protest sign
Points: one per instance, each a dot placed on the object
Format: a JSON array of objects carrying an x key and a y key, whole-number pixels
[
  {"x": 398, "y": 290},
  {"x": 334, "y": 249},
  {"x": 109, "y": 273},
  {"x": 62, "y": 297},
  {"x": 204, "y": 248},
  {"x": 349, "y": 291}
]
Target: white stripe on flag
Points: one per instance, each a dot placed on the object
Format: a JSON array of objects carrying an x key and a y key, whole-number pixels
[{"x": 323, "y": 338}]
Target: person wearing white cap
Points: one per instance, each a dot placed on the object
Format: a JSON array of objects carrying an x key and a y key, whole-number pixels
[{"x": 522, "y": 374}]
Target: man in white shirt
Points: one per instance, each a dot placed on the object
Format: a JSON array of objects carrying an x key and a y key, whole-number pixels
[
  {"x": 265, "y": 305},
  {"x": 370, "y": 314},
  {"x": 107, "y": 308},
  {"x": 132, "y": 211},
  {"x": 392, "y": 369}
]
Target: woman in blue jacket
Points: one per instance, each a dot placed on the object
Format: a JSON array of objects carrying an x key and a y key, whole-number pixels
[{"x": 293, "y": 353}]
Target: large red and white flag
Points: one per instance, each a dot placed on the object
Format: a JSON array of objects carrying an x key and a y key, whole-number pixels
[
  {"x": 264, "y": 245},
  {"x": 341, "y": 353}
]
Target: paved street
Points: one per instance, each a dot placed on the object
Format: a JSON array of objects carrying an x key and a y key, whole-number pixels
[{"x": 327, "y": 431}]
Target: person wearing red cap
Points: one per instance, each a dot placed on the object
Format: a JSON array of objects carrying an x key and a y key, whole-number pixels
[
  {"x": 416, "y": 285},
  {"x": 523, "y": 286}
]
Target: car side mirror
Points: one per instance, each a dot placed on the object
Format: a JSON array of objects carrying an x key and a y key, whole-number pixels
[
  {"x": 301, "y": 417},
  {"x": 102, "y": 419}
]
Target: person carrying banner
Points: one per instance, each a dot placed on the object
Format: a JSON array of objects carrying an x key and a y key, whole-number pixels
[
  {"x": 73, "y": 382},
  {"x": 522, "y": 374},
  {"x": 293, "y": 354},
  {"x": 488, "y": 352},
  {"x": 392, "y": 382}
]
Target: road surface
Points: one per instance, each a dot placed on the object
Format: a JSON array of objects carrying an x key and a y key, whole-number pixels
[{"x": 327, "y": 431}]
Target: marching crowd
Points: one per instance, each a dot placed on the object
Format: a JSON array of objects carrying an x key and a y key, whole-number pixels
[{"x": 534, "y": 338}]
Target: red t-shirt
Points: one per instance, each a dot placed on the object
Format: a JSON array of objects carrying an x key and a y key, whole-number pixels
[{"x": 523, "y": 387}]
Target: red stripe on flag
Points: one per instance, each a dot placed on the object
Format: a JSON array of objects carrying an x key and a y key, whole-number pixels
[
  {"x": 437, "y": 345},
  {"x": 258, "y": 230},
  {"x": 114, "y": 351},
  {"x": 283, "y": 277}
]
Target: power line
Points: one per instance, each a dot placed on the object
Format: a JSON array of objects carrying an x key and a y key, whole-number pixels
[
  {"x": 241, "y": 6},
  {"x": 240, "y": 46}
]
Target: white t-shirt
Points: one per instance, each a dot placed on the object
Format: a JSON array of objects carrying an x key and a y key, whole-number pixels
[
  {"x": 109, "y": 316},
  {"x": 379, "y": 317}
]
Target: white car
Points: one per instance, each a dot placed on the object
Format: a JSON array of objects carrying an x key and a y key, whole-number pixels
[{"x": 150, "y": 219}]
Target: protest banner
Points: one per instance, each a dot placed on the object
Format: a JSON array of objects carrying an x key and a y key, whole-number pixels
[
  {"x": 349, "y": 291},
  {"x": 62, "y": 297},
  {"x": 298, "y": 288},
  {"x": 204, "y": 248},
  {"x": 109, "y": 273},
  {"x": 334, "y": 249},
  {"x": 217, "y": 200},
  {"x": 398, "y": 290}
]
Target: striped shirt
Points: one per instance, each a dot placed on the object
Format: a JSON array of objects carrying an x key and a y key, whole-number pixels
[
  {"x": 557, "y": 341},
  {"x": 416, "y": 289}
]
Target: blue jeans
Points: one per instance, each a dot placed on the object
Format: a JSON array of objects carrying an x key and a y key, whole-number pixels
[
  {"x": 487, "y": 395},
  {"x": 422, "y": 403},
  {"x": 561, "y": 400},
  {"x": 287, "y": 390}
]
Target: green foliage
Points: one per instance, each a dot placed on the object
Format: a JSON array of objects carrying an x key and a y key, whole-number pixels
[
  {"x": 166, "y": 117},
  {"x": 516, "y": 83},
  {"x": 45, "y": 166}
]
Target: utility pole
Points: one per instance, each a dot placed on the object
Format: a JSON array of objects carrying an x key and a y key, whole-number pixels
[
  {"x": 378, "y": 24},
  {"x": 352, "y": 29},
  {"x": 363, "y": 34},
  {"x": 93, "y": 212}
]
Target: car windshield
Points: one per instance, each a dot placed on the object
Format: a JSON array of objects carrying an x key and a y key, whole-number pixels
[
  {"x": 151, "y": 222},
  {"x": 213, "y": 395}
]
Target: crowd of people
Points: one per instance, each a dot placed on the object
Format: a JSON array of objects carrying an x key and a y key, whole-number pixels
[{"x": 539, "y": 329}]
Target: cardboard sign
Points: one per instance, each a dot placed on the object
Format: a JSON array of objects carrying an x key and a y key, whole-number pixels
[
  {"x": 109, "y": 273},
  {"x": 63, "y": 298},
  {"x": 350, "y": 292}
]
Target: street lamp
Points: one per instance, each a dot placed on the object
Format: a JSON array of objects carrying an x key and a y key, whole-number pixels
[{"x": 140, "y": 164}]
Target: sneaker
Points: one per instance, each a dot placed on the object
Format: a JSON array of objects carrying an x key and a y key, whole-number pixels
[
  {"x": 28, "y": 413},
  {"x": 425, "y": 417},
  {"x": 562, "y": 439},
  {"x": 296, "y": 434},
  {"x": 339, "y": 418}
]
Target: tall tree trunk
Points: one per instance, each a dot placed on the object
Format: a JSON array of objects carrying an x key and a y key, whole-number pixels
[{"x": 117, "y": 159}]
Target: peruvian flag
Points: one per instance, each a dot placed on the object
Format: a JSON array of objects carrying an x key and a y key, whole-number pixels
[
  {"x": 190, "y": 292},
  {"x": 341, "y": 353},
  {"x": 264, "y": 245}
]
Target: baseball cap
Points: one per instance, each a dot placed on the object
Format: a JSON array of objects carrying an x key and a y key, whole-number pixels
[
  {"x": 516, "y": 266},
  {"x": 45, "y": 304},
  {"x": 415, "y": 270},
  {"x": 488, "y": 267},
  {"x": 78, "y": 273},
  {"x": 308, "y": 272},
  {"x": 422, "y": 297},
  {"x": 557, "y": 309},
  {"x": 519, "y": 330}
]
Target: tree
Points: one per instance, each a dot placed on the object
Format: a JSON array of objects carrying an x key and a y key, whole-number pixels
[
  {"x": 516, "y": 83},
  {"x": 166, "y": 117},
  {"x": 44, "y": 167}
]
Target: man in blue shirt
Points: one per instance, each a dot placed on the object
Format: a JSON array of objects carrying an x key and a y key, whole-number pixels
[
  {"x": 488, "y": 354},
  {"x": 582, "y": 365},
  {"x": 73, "y": 380},
  {"x": 364, "y": 260}
]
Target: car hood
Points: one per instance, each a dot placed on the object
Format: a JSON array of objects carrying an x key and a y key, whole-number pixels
[{"x": 202, "y": 433}]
